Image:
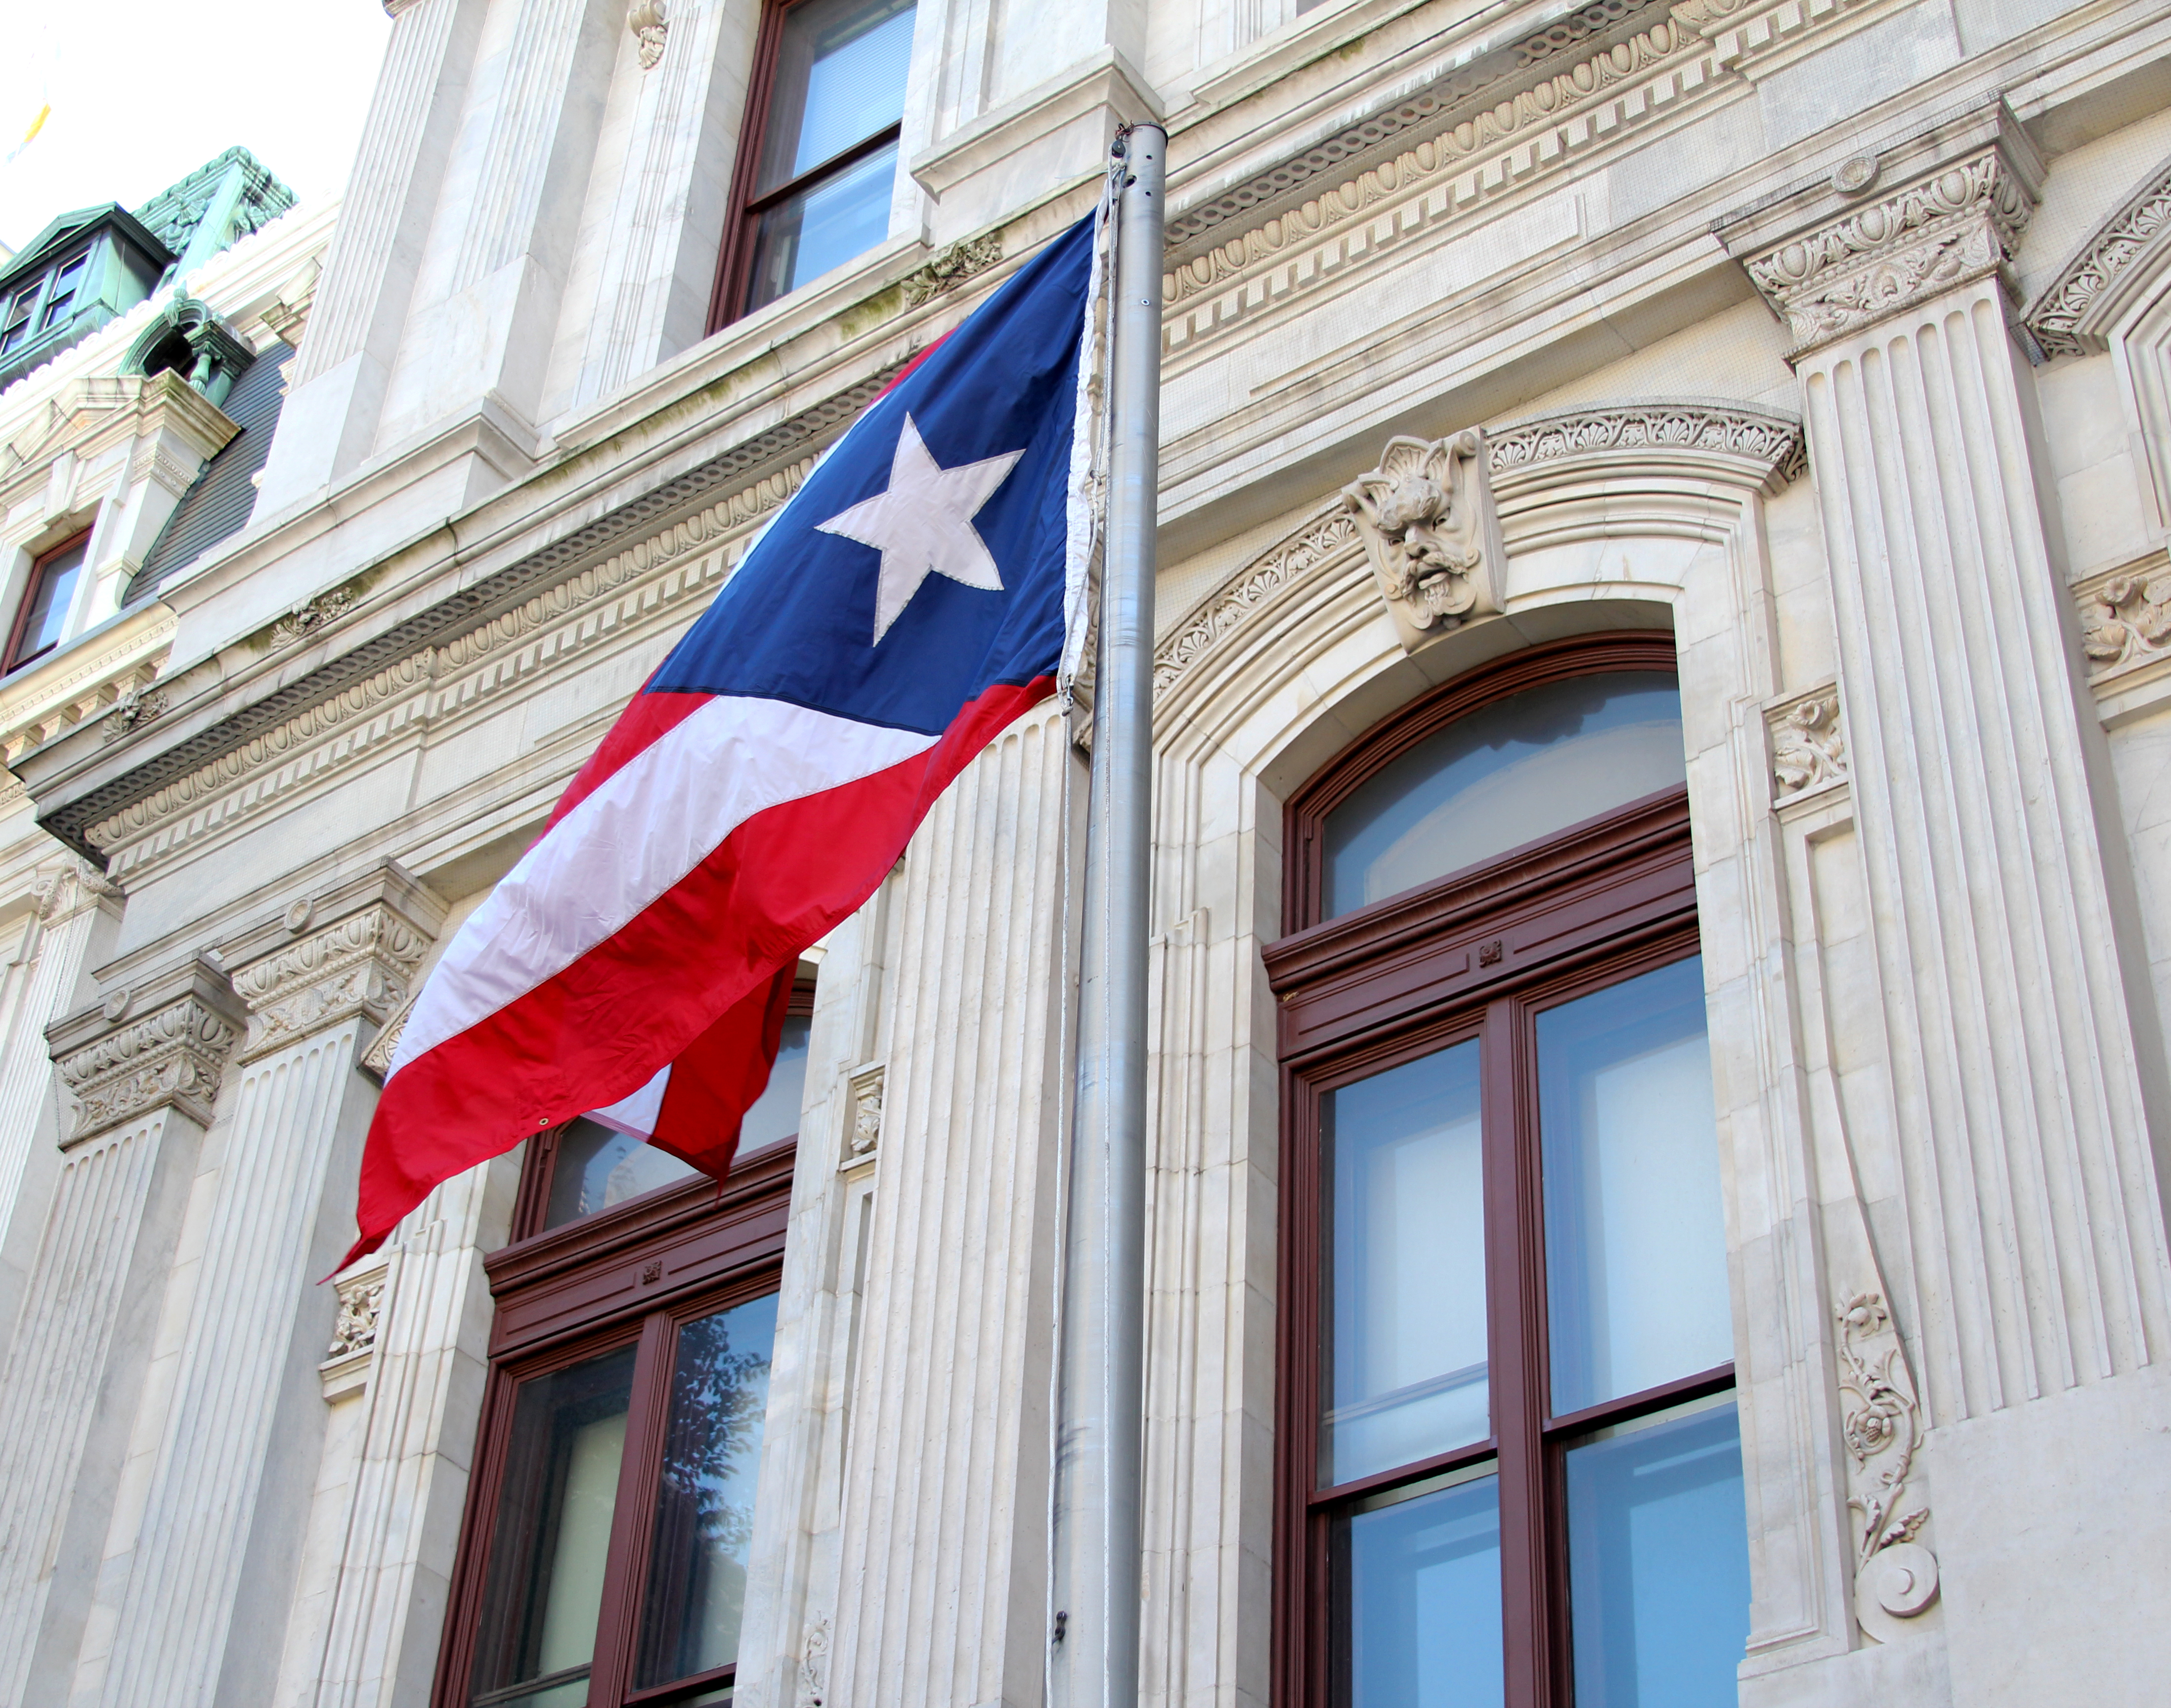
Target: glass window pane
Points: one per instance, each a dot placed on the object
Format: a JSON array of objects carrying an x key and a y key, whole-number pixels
[
  {"x": 52, "y": 595},
  {"x": 840, "y": 78},
  {"x": 804, "y": 236},
  {"x": 1417, "y": 1582},
  {"x": 552, "y": 1537},
  {"x": 598, "y": 1166},
  {"x": 1635, "y": 1234},
  {"x": 1406, "y": 1352},
  {"x": 705, "y": 1501},
  {"x": 1659, "y": 1562},
  {"x": 1507, "y": 775}
]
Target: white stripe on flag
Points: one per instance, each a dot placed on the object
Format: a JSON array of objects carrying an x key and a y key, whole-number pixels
[{"x": 648, "y": 824}]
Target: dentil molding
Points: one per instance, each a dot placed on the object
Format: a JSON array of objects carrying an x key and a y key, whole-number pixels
[
  {"x": 351, "y": 951},
  {"x": 1956, "y": 220},
  {"x": 162, "y": 1044}
]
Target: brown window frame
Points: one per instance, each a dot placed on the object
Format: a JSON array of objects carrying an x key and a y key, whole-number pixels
[
  {"x": 40, "y": 565},
  {"x": 735, "y": 259},
  {"x": 630, "y": 1275},
  {"x": 1476, "y": 955}
]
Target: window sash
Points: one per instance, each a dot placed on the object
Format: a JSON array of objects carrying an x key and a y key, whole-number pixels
[{"x": 44, "y": 569}]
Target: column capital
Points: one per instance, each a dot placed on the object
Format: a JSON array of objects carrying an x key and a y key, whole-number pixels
[
  {"x": 162, "y": 1043},
  {"x": 1888, "y": 230},
  {"x": 351, "y": 949}
]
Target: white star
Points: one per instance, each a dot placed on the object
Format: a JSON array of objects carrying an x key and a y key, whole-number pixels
[{"x": 923, "y": 525}]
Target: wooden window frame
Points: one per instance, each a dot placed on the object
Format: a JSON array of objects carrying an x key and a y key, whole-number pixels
[
  {"x": 630, "y": 1275},
  {"x": 9, "y": 663},
  {"x": 735, "y": 256},
  {"x": 1475, "y": 955}
]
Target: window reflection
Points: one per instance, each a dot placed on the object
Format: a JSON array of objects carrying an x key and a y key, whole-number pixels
[
  {"x": 704, "y": 1499},
  {"x": 1659, "y": 1561},
  {"x": 1417, "y": 1576},
  {"x": 1635, "y": 1234},
  {"x": 552, "y": 1540},
  {"x": 1507, "y": 775},
  {"x": 1406, "y": 1371}
]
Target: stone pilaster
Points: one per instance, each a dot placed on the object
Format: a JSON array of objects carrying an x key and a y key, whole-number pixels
[
  {"x": 2026, "y": 1254},
  {"x": 143, "y": 1069},
  {"x": 211, "y": 1556}
]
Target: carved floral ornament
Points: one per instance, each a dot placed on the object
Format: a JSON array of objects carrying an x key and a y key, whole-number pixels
[
  {"x": 866, "y": 1086},
  {"x": 173, "y": 1056},
  {"x": 651, "y": 27},
  {"x": 1433, "y": 534},
  {"x": 361, "y": 1303},
  {"x": 1881, "y": 1423},
  {"x": 2074, "y": 313},
  {"x": 1809, "y": 747},
  {"x": 2126, "y": 620},
  {"x": 1959, "y": 223},
  {"x": 361, "y": 964}
]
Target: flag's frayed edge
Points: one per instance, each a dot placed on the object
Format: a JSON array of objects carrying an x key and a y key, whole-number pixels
[{"x": 1087, "y": 495}]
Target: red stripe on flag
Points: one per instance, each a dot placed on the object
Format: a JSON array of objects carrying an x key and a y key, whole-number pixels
[
  {"x": 601, "y": 1029},
  {"x": 718, "y": 1076}
]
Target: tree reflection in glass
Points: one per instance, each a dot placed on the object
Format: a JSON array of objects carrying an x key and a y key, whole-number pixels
[{"x": 705, "y": 1500}]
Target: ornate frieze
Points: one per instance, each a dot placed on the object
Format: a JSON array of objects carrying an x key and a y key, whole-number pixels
[
  {"x": 1319, "y": 539},
  {"x": 139, "y": 705},
  {"x": 1725, "y": 428},
  {"x": 304, "y": 621},
  {"x": 1951, "y": 225},
  {"x": 2073, "y": 315},
  {"x": 1433, "y": 534},
  {"x": 352, "y": 950},
  {"x": 952, "y": 266},
  {"x": 164, "y": 1044},
  {"x": 1881, "y": 1422},
  {"x": 1809, "y": 747},
  {"x": 867, "y": 1090},
  {"x": 650, "y": 25}
]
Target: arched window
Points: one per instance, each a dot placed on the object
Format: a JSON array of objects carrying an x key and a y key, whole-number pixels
[{"x": 1509, "y": 1466}]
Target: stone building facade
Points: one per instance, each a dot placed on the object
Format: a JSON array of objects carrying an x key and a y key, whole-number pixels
[{"x": 1812, "y": 357}]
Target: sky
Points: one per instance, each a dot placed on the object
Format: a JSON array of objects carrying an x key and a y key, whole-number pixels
[{"x": 143, "y": 92}]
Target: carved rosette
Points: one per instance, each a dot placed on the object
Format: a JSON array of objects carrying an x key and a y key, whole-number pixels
[
  {"x": 1433, "y": 534},
  {"x": 1960, "y": 222},
  {"x": 865, "y": 1134},
  {"x": 1809, "y": 746},
  {"x": 1895, "y": 1574},
  {"x": 361, "y": 964},
  {"x": 171, "y": 1057}
]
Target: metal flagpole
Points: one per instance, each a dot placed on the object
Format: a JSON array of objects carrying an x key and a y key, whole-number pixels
[{"x": 1094, "y": 1660}]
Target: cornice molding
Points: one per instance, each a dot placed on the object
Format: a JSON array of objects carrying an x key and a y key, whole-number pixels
[
  {"x": 2074, "y": 314},
  {"x": 161, "y": 1045},
  {"x": 351, "y": 951},
  {"x": 1957, "y": 221}
]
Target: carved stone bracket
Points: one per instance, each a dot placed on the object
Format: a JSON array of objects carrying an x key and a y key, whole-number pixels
[
  {"x": 162, "y": 1044},
  {"x": 1881, "y": 1422},
  {"x": 377, "y": 1059},
  {"x": 1809, "y": 745},
  {"x": 1433, "y": 532},
  {"x": 1954, "y": 223},
  {"x": 351, "y": 951},
  {"x": 2074, "y": 313},
  {"x": 651, "y": 27},
  {"x": 866, "y": 1133},
  {"x": 952, "y": 266}
]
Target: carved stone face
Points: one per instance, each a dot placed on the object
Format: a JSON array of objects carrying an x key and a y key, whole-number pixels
[{"x": 1421, "y": 509}]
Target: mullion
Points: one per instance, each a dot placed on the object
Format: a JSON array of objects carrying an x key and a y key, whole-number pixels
[{"x": 625, "y": 1571}]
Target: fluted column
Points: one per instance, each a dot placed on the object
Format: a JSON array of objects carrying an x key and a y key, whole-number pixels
[
  {"x": 142, "y": 1070},
  {"x": 211, "y": 1551},
  {"x": 2034, "y": 1243},
  {"x": 943, "y": 1597}
]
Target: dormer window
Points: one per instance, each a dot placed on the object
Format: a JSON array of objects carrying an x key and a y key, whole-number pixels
[
  {"x": 60, "y": 294},
  {"x": 41, "y": 618},
  {"x": 38, "y": 305}
]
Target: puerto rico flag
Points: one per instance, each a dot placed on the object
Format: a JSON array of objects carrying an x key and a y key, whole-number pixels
[{"x": 914, "y": 597}]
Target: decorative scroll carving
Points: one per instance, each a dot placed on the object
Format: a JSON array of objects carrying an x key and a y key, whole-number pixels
[
  {"x": 651, "y": 27},
  {"x": 174, "y": 1055},
  {"x": 361, "y": 964},
  {"x": 952, "y": 266},
  {"x": 1433, "y": 535},
  {"x": 1957, "y": 224},
  {"x": 139, "y": 705},
  {"x": 866, "y": 1086},
  {"x": 1318, "y": 540},
  {"x": 378, "y": 1058},
  {"x": 1697, "y": 426},
  {"x": 304, "y": 621},
  {"x": 1881, "y": 1422},
  {"x": 2070, "y": 317},
  {"x": 1809, "y": 748},
  {"x": 2126, "y": 619},
  {"x": 360, "y": 1301}
]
